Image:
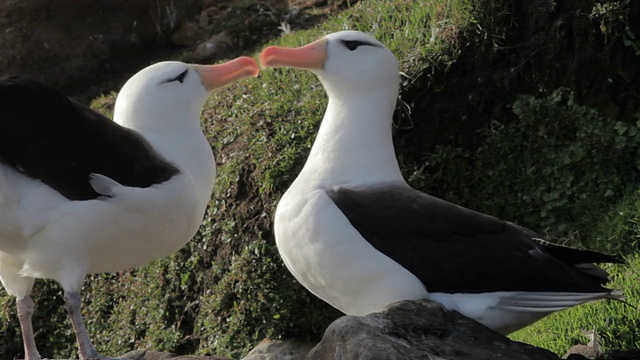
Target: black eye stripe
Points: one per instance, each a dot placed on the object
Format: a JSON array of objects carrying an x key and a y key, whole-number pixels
[
  {"x": 179, "y": 78},
  {"x": 353, "y": 44}
]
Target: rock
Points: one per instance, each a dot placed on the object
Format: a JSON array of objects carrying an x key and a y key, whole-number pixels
[
  {"x": 589, "y": 351},
  {"x": 157, "y": 355},
  {"x": 212, "y": 13},
  {"x": 620, "y": 355},
  {"x": 214, "y": 45},
  {"x": 69, "y": 43},
  {"x": 419, "y": 329},
  {"x": 609, "y": 355},
  {"x": 280, "y": 350},
  {"x": 187, "y": 34},
  {"x": 580, "y": 352}
]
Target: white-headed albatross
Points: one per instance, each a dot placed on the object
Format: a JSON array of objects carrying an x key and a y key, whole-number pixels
[
  {"x": 82, "y": 194},
  {"x": 354, "y": 233}
]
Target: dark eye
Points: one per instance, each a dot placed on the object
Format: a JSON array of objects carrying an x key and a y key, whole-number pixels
[
  {"x": 353, "y": 44},
  {"x": 181, "y": 76}
]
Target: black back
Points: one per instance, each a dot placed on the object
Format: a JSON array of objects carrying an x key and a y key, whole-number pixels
[
  {"x": 452, "y": 249},
  {"x": 48, "y": 136}
]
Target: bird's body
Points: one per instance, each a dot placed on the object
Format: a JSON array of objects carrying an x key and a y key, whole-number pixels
[
  {"x": 81, "y": 194},
  {"x": 117, "y": 230},
  {"x": 355, "y": 234},
  {"x": 47, "y": 233}
]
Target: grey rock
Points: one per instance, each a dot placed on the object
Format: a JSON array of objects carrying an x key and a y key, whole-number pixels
[
  {"x": 609, "y": 355},
  {"x": 620, "y": 355},
  {"x": 415, "y": 330},
  {"x": 70, "y": 44},
  {"x": 187, "y": 34},
  {"x": 215, "y": 45},
  {"x": 157, "y": 355},
  {"x": 280, "y": 350},
  {"x": 584, "y": 352}
]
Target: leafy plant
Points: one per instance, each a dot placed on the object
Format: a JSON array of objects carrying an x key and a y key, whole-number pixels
[
  {"x": 556, "y": 168},
  {"x": 615, "y": 21}
]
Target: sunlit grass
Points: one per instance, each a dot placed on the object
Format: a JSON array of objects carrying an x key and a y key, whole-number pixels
[
  {"x": 283, "y": 107},
  {"x": 616, "y": 322}
]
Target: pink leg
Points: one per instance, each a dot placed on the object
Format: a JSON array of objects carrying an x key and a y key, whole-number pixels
[
  {"x": 25, "y": 310},
  {"x": 86, "y": 348}
]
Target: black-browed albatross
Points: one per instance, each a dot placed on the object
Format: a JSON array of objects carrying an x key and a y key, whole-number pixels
[
  {"x": 82, "y": 194},
  {"x": 354, "y": 233}
]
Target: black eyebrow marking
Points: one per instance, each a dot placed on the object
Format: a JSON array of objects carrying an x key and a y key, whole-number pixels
[
  {"x": 180, "y": 77},
  {"x": 353, "y": 44}
]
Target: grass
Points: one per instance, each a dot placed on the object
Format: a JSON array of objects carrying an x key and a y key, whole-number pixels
[
  {"x": 616, "y": 322},
  {"x": 289, "y": 103},
  {"x": 228, "y": 289}
]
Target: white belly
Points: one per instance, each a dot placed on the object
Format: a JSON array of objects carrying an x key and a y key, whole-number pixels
[
  {"x": 60, "y": 239},
  {"x": 332, "y": 260}
]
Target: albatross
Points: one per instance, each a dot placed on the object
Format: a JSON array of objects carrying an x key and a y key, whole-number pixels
[
  {"x": 82, "y": 194},
  {"x": 355, "y": 234}
]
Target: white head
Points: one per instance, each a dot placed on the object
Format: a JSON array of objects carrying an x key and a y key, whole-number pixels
[
  {"x": 346, "y": 62},
  {"x": 171, "y": 92},
  {"x": 361, "y": 77}
]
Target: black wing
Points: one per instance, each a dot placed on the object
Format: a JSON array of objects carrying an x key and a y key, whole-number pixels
[
  {"x": 453, "y": 249},
  {"x": 48, "y": 136}
]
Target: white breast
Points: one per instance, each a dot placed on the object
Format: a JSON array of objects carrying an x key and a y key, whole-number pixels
[{"x": 332, "y": 260}]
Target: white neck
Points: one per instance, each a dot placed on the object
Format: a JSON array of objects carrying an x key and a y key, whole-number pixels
[
  {"x": 179, "y": 139},
  {"x": 152, "y": 119},
  {"x": 354, "y": 143}
]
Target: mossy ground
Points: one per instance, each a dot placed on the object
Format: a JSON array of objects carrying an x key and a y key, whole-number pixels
[{"x": 498, "y": 111}]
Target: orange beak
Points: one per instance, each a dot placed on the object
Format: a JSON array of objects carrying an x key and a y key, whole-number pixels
[
  {"x": 219, "y": 75},
  {"x": 311, "y": 56}
]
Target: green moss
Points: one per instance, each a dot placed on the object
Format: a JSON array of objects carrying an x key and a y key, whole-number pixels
[{"x": 256, "y": 298}]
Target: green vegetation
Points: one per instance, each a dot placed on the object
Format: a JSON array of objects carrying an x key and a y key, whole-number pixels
[
  {"x": 558, "y": 166},
  {"x": 483, "y": 120},
  {"x": 615, "y": 22},
  {"x": 616, "y": 322}
]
